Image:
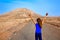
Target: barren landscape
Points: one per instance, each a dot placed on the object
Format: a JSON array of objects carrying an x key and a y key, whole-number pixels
[{"x": 17, "y": 25}]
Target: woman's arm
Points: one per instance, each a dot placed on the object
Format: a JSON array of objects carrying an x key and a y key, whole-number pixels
[
  {"x": 44, "y": 18},
  {"x": 32, "y": 19}
]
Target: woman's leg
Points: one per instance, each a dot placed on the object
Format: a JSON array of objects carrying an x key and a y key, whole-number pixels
[
  {"x": 36, "y": 36},
  {"x": 40, "y": 36}
]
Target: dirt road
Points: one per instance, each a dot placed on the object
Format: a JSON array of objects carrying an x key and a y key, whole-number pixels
[{"x": 49, "y": 32}]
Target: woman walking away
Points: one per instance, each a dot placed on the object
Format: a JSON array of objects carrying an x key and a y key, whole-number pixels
[{"x": 38, "y": 25}]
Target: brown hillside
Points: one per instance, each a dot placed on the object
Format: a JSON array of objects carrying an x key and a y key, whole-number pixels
[{"x": 15, "y": 20}]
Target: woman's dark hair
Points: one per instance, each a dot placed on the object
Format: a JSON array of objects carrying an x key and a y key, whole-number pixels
[{"x": 39, "y": 22}]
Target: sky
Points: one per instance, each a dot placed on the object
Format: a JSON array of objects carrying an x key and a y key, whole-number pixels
[{"x": 38, "y": 6}]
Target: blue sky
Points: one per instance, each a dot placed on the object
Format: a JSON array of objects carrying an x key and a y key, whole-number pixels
[{"x": 38, "y": 6}]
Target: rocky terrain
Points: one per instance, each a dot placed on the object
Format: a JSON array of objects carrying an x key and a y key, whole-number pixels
[{"x": 16, "y": 20}]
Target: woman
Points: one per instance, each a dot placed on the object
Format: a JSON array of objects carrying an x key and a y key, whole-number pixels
[{"x": 38, "y": 26}]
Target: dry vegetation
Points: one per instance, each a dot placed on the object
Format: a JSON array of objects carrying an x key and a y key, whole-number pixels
[
  {"x": 53, "y": 21},
  {"x": 14, "y": 21},
  {"x": 17, "y": 19}
]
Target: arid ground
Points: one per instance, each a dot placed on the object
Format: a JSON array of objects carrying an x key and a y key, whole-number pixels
[{"x": 17, "y": 25}]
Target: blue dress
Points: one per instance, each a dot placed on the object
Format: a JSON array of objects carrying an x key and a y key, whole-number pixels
[
  {"x": 38, "y": 32},
  {"x": 38, "y": 28}
]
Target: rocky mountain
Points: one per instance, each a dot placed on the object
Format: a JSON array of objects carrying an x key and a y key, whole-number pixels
[
  {"x": 18, "y": 14},
  {"x": 15, "y": 20}
]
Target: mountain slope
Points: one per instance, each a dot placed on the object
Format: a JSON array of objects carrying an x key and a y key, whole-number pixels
[{"x": 17, "y": 19}]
